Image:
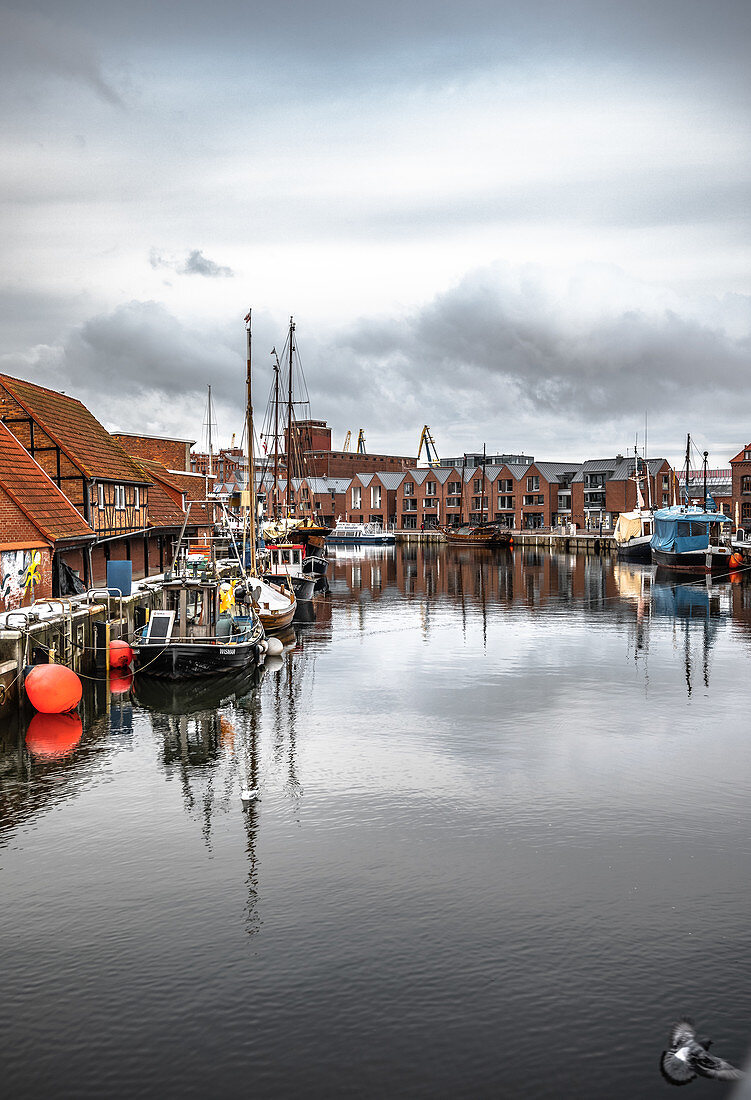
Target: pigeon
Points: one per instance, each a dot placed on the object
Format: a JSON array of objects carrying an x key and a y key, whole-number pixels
[{"x": 689, "y": 1057}]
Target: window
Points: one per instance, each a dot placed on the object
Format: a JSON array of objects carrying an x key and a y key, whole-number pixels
[
  {"x": 453, "y": 502},
  {"x": 429, "y": 502},
  {"x": 454, "y": 488},
  {"x": 430, "y": 488},
  {"x": 375, "y": 496},
  {"x": 530, "y": 500},
  {"x": 666, "y": 482},
  {"x": 505, "y": 485},
  {"x": 506, "y": 502},
  {"x": 745, "y": 511},
  {"x": 479, "y": 502},
  {"x": 305, "y": 492},
  {"x": 477, "y": 484},
  {"x": 666, "y": 500},
  {"x": 356, "y": 497},
  {"x": 119, "y": 497},
  {"x": 747, "y": 456},
  {"x": 137, "y": 497},
  {"x": 533, "y": 484},
  {"x": 100, "y": 496},
  {"x": 409, "y": 505},
  {"x": 746, "y": 484},
  {"x": 409, "y": 488}
]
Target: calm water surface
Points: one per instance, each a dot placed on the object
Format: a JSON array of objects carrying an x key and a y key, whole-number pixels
[{"x": 503, "y": 841}]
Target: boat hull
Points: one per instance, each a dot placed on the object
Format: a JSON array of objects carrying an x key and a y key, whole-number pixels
[
  {"x": 477, "y": 536},
  {"x": 715, "y": 560},
  {"x": 637, "y": 549},
  {"x": 186, "y": 660},
  {"x": 303, "y": 586},
  {"x": 361, "y": 540}
]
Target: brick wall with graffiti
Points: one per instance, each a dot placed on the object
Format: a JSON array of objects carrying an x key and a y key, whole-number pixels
[{"x": 25, "y": 576}]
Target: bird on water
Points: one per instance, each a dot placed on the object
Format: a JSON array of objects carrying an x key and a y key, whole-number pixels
[{"x": 689, "y": 1057}]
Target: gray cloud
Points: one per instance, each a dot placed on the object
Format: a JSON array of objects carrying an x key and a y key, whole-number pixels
[{"x": 194, "y": 264}]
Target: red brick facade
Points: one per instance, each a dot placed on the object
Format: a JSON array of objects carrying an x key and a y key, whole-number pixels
[{"x": 172, "y": 453}]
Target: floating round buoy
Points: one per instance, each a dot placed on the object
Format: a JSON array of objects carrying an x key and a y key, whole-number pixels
[
  {"x": 736, "y": 561},
  {"x": 53, "y": 735},
  {"x": 53, "y": 689},
  {"x": 121, "y": 682},
  {"x": 120, "y": 653},
  {"x": 275, "y": 647},
  {"x": 273, "y": 664}
]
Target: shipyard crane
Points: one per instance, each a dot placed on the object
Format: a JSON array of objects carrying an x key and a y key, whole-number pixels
[
  {"x": 347, "y": 441},
  {"x": 430, "y": 448},
  {"x": 361, "y": 442}
]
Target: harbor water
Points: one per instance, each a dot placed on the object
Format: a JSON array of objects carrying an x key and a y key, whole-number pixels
[{"x": 502, "y": 840}]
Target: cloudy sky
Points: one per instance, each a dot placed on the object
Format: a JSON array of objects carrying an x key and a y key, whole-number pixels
[{"x": 524, "y": 225}]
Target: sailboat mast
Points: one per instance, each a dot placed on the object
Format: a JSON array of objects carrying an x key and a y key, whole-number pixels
[
  {"x": 706, "y": 455},
  {"x": 688, "y": 460},
  {"x": 276, "y": 436},
  {"x": 249, "y": 430},
  {"x": 290, "y": 469},
  {"x": 211, "y": 453}
]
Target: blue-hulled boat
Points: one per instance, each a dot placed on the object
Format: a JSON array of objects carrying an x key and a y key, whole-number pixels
[{"x": 690, "y": 539}]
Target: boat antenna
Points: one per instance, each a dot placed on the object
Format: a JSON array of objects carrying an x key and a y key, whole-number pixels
[
  {"x": 211, "y": 451},
  {"x": 249, "y": 431},
  {"x": 706, "y": 454}
]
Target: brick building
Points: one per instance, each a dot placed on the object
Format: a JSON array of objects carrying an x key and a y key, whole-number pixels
[
  {"x": 44, "y": 540},
  {"x": 174, "y": 454},
  {"x": 741, "y": 488}
]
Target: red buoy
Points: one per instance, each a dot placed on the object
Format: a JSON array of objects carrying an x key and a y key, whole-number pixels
[
  {"x": 121, "y": 682},
  {"x": 736, "y": 561},
  {"x": 120, "y": 653},
  {"x": 53, "y": 735},
  {"x": 53, "y": 689}
]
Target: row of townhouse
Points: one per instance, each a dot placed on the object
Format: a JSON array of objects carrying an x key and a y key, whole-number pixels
[
  {"x": 520, "y": 497},
  {"x": 72, "y": 499}
]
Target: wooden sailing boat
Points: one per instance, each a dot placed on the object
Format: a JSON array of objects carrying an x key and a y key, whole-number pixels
[
  {"x": 633, "y": 530},
  {"x": 284, "y": 526},
  {"x": 484, "y": 533},
  {"x": 275, "y": 604}
]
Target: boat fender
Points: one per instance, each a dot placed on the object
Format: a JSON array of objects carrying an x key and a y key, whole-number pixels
[
  {"x": 263, "y": 646},
  {"x": 274, "y": 647}
]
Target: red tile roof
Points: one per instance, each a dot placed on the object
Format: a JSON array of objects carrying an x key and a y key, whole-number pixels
[
  {"x": 36, "y": 495},
  {"x": 76, "y": 431},
  {"x": 194, "y": 487},
  {"x": 163, "y": 511}
]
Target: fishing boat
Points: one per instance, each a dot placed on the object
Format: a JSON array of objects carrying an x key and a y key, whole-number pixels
[
  {"x": 196, "y": 632},
  {"x": 283, "y": 564},
  {"x": 367, "y": 534},
  {"x": 690, "y": 538}
]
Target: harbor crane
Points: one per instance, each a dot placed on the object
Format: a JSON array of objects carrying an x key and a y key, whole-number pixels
[
  {"x": 430, "y": 448},
  {"x": 361, "y": 442},
  {"x": 347, "y": 441}
]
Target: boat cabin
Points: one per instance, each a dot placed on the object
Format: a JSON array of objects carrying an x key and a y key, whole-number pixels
[
  {"x": 191, "y": 609},
  {"x": 681, "y": 531}
]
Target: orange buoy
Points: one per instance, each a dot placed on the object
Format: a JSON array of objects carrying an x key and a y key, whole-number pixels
[
  {"x": 53, "y": 689},
  {"x": 120, "y": 653},
  {"x": 736, "y": 561},
  {"x": 53, "y": 735},
  {"x": 121, "y": 682}
]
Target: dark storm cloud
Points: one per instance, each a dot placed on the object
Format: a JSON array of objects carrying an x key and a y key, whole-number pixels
[
  {"x": 498, "y": 347},
  {"x": 195, "y": 264}
]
